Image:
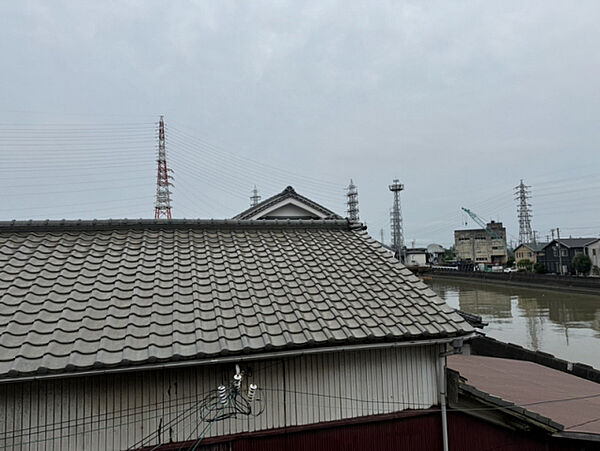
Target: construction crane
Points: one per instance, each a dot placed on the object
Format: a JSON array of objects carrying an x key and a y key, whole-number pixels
[{"x": 492, "y": 233}]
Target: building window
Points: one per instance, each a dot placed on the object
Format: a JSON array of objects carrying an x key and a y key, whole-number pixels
[{"x": 565, "y": 253}]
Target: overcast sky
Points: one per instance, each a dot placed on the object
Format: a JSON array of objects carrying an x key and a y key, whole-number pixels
[{"x": 459, "y": 100}]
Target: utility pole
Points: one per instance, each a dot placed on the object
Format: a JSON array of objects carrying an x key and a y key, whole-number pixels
[
  {"x": 381, "y": 231},
  {"x": 255, "y": 198},
  {"x": 162, "y": 206},
  {"x": 524, "y": 212},
  {"x": 535, "y": 232},
  {"x": 559, "y": 251},
  {"x": 352, "y": 194},
  {"x": 396, "y": 221}
]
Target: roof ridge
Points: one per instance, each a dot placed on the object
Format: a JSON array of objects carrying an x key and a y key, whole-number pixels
[{"x": 174, "y": 224}]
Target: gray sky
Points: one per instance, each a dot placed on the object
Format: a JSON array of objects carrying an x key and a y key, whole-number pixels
[{"x": 460, "y": 100}]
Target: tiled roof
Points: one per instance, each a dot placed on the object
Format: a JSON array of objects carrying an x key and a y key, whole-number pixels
[
  {"x": 535, "y": 247},
  {"x": 573, "y": 242},
  {"x": 288, "y": 193},
  {"x": 94, "y": 294}
]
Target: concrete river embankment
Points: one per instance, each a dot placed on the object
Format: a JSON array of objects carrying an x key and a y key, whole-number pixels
[{"x": 585, "y": 285}]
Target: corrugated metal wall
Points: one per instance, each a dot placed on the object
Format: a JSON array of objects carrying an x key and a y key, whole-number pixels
[{"x": 118, "y": 411}]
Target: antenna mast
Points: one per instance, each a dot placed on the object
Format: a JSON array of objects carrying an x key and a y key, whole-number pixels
[
  {"x": 396, "y": 220},
  {"x": 524, "y": 213},
  {"x": 352, "y": 201},
  {"x": 162, "y": 207}
]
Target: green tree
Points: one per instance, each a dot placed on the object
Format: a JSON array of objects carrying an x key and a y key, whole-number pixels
[
  {"x": 525, "y": 264},
  {"x": 449, "y": 255},
  {"x": 539, "y": 268},
  {"x": 582, "y": 264}
]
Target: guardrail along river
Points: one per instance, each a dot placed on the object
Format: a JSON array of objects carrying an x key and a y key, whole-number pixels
[{"x": 563, "y": 324}]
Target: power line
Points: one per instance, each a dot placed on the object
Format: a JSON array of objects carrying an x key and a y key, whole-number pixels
[
  {"x": 236, "y": 170},
  {"x": 406, "y": 404},
  {"x": 263, "y": 165}
]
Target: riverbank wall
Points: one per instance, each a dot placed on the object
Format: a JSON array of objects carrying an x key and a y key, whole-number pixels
[{"x": 585, "y": 285}]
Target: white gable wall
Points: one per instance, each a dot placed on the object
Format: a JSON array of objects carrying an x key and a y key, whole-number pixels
[
  {"x": 290, "y": 211},
  {"x": 291, "y": 208}
]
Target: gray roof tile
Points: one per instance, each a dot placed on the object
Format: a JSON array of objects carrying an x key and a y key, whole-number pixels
[{"x": 84, "y": 295}]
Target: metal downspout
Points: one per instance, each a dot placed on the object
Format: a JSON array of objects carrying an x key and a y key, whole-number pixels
[{"x": 442, "y": 387}]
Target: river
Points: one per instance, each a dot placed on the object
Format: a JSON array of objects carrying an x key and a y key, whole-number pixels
[{"x": 563, "y": 324}]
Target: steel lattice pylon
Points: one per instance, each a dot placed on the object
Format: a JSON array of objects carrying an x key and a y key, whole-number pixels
[
  {"x": 352, "y": 193},
  {"x": 255, "y": 198},
  {"x": 162, "y": 206},
  {"x": 524, "y": 212},
  {"x": 396, "y": 220}
]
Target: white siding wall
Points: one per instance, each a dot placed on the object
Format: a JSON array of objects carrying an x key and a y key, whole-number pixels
[{"x": 116, "y": 411}]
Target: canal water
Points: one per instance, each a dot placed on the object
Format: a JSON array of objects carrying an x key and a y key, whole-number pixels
[{"x": 563, "y": 324}]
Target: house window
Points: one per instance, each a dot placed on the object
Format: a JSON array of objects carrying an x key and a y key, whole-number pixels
[
  {"x": 593, "y": 251},
  {"x": 555, "y": 252},
  {"x": 565, "y": 253}
]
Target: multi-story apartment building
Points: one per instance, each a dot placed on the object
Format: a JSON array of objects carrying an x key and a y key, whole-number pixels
[{"x": 478, "y": 245}]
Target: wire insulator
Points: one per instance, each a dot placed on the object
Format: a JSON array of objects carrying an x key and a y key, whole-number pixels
[
  {"x": 222, "y": 394},
  {"x": 251, "y": 392},
  {"x": 237, "y": 381}
]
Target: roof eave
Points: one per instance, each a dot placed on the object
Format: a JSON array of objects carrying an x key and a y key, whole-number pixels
[{"x": 238, "y": 358}]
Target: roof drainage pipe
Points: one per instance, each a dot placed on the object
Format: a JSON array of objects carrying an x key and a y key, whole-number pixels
[{"x": 442, "y": 388}]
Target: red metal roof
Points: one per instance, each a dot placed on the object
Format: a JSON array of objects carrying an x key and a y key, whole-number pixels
[{"x": 537, "y": 388}]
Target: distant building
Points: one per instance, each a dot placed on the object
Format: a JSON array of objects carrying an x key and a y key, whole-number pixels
[
  {"x": 530, "y": 251},
  {"x": 435, "y": 253},
  {"x": 569, "y": 249},
  {"x": 416, "y": 257},
  {"x": 593, "y": 251},
  {"x": 477, "y": 246}
]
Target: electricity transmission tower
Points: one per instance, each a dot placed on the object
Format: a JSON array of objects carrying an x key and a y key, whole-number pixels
[
  {"x": 524, "y": 212},
  {"x": 255, "y": 198},
  {"x": 352, "y": 193},
  {"x": 396, "y": 220},
  {"x": 162, "y": 207}
]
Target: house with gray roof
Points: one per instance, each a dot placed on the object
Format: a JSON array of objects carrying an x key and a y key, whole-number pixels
[
  {"x": 530, "y": 251},
  {"x": 125, "y": 334},
  {"x": 568, "y": 249}
]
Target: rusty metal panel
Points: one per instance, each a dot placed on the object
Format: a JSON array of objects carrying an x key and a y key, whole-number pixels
[{"x": 415, "y": 434}]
